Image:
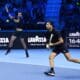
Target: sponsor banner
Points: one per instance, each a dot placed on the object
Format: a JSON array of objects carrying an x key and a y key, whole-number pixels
[
  {"x": 37, "y": 39},
  {"x": 73, "y": 40},
  {"x": 32, "y": 39}
]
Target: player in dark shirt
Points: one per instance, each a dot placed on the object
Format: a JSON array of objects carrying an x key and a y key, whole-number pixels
[
  {"x": 56, "y": 41},
  {"x": 18, "y": 21}
]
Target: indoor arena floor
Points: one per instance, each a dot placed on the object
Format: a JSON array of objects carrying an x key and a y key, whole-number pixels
[{"x": 15, "y": 66}]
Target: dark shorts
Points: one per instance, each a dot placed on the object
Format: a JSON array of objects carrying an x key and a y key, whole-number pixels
[
  {"x": 19, "y": 34},
  {"x": 58, "y": 50}
]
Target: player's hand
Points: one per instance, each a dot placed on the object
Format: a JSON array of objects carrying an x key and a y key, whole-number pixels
[
  {"x": 51, "y": 44},
  {"x": 47, "y": 46},
  {"x": 10, "y": 16}
]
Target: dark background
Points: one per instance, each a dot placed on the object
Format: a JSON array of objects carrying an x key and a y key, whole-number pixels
[{"x": 64, "y": 13}]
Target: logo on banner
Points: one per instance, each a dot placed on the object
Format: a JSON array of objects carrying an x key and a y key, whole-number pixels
[
  {"x": 76, "y": 34},
  {"x": 4, "y": 40},
  {"x": 36, "y": 39}
]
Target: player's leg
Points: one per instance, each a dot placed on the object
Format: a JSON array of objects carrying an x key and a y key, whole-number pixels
[
  {"x": 10, "y": 44},
  {"x": 69, "y": 58},
  {"x": 24, "y": 46},
  {"x": 51, "y": 72}
]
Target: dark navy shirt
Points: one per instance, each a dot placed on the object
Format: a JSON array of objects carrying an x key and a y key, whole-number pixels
[
  {"x": 19, "y": 24},
  {"x": 53, "y": 36}
]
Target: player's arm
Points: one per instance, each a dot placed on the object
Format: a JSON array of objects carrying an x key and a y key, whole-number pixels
[
  {"x": 60, "y": 41},
  {"x": 6, "y": 8},
  {"x": 16, "y": 20},
  {"x": 11, "y": 17}
]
